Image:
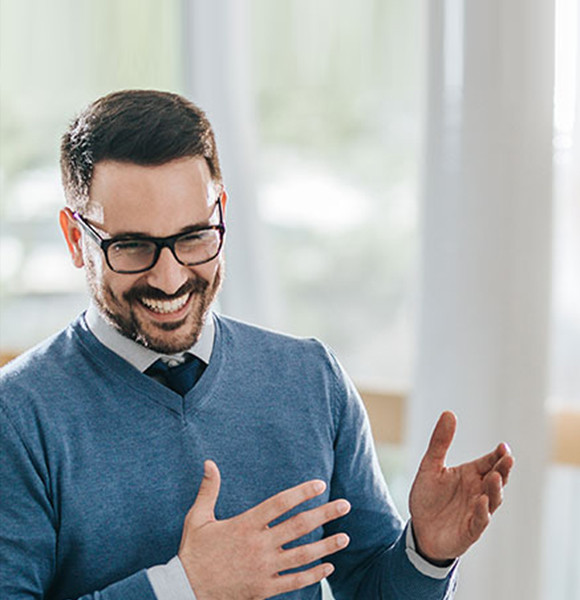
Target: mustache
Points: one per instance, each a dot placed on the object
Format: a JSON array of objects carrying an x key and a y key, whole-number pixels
[{"x": 192, "y": 286}]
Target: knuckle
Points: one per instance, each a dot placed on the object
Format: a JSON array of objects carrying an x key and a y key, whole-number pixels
[
  {"x": 281, "y": 504},
  {"x": 302, "y": 523},
  {"x": 293, "y": 581},
  {"x": 296, "y": 580},
  {"x": 302, "y": 555},
  {"x": 304, "y": 578},
  {"x": 331, "y": 512}
]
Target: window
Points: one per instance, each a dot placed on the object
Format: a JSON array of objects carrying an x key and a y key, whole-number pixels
[
  {"x": 337, "y": 89},
  {"x": 56, "y": 57},
  {"x": 338, "y": 101}
]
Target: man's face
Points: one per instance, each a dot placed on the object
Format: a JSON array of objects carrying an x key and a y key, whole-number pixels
[{"x": 163, "y": 308}]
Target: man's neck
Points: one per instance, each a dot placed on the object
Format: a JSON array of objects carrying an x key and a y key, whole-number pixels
[{"x": 136, "y": 354}]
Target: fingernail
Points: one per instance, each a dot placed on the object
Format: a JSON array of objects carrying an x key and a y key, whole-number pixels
[
  {"x": 342, "y": 540},
  {"x": 343, "y": 506},
  {"x": 319, "y": 486},
  {"x": 328, "y": 569}
]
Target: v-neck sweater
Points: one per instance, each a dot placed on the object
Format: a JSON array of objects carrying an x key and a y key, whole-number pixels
[{"x": 101, "y": 463}]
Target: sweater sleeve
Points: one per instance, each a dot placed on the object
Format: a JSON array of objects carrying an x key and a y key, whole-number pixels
[
  {"x": 376, "y": 563},
  {"x": 28, "y": 531}
]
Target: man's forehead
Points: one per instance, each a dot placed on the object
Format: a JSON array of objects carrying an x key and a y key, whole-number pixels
[
  {"x": 118, "y": 187},
  {"x": 112, "y": 172}
]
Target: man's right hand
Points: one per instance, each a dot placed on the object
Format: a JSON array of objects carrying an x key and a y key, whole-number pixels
[{"x": 241, "y": 558}]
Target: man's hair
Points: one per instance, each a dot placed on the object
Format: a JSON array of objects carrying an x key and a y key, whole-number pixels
[{"x": 144, "y": 127}]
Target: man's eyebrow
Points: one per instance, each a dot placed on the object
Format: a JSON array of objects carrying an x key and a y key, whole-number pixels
[
  {"x": 133, "y": 235},
  {"x": 189, "y": 228}
]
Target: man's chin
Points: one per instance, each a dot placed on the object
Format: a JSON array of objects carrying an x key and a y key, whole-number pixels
[
  {"x": 173, "y": 341},
  {"x": 170, "y": 325}
]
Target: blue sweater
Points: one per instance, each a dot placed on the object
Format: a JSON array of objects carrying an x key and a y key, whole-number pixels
[{"x": 100, "y": 464}]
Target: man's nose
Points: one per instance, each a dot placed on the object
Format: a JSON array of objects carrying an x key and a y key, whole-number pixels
[{"x": 167, "y": 275}]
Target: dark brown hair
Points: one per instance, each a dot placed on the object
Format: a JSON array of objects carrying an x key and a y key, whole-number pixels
[{"x": 145, "y": 127}]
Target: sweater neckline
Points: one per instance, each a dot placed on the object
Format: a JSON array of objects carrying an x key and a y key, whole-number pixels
[{"x": 121, "y": 373}]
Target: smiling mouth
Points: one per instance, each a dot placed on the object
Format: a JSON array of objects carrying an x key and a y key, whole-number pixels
[{"x": 165, "y": 307}]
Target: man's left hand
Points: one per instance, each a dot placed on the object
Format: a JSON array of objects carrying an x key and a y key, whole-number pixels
[{"x": 451, "y": 506}]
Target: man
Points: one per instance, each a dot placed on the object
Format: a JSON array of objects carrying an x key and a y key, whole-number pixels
[{"x": 156, "y": 450}]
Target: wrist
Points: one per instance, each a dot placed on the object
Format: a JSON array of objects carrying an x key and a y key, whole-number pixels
[{"x": 436, "y": 562}]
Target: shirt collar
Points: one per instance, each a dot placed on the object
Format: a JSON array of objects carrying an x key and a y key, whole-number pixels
[{"x": 136, "y": 354}]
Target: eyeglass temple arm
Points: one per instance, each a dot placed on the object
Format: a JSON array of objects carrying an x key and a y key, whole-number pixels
[{"x": 86, "y": 226}]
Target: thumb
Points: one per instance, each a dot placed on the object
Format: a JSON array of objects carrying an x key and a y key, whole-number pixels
[
  {"x": 203, "y": 509},
  {"x": 441, "y": 439}
]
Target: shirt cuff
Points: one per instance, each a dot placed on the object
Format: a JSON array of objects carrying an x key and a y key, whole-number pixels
[
  {"x": 422, "y": 565},
  {"x": 169, "y": 582}
]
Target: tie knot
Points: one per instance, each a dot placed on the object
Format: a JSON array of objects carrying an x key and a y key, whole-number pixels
[{"x": 180, "y": 378}]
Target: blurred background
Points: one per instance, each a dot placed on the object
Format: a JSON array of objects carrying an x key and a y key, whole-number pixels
[{"x": 404, "y": 183}]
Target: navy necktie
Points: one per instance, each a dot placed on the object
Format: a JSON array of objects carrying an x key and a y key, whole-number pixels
[{"x": 180, "y": 378}]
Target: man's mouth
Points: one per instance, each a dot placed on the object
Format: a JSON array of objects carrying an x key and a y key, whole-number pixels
[{"x": 164, "y": 307}]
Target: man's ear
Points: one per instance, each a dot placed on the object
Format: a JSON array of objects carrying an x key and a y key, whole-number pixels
[
  {"x": 72, "y": 235},
  {"x": 223, "y": 201}
]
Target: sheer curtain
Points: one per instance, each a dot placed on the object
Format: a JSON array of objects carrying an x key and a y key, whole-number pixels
[
  {"x": 218, "y": 77},
  {"x": 562, "y": 521},
  {"x": 483, "y": 346}
]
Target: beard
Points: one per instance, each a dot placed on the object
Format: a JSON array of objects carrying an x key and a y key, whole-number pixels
[{"x": 163, "y": 337}]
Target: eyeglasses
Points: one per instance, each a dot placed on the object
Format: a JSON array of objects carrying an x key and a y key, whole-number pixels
[{"x": 136, "y": 253}]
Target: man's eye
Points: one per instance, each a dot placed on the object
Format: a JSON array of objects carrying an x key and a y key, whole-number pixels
[
  {"x": 195, "y": 237},
  {"x": 132, "y": 247}
]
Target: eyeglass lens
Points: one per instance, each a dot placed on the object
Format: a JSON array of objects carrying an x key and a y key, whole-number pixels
[{"x": 190, "y": 249}]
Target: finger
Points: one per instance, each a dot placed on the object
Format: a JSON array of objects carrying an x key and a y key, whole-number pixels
[
  {"x": 203, "y": 509},
  {"x": 274, "y": 507},
  {"x": 487, "y": 462},
  {"x": 308, "y": 553},
  {"x": 504, "y": 467},
  {"x": 305, "y": 522},
  {"x": 480, "y": 518},
  {"x": 441, "y": 439},
  {"x": 302, "y": 579},
  {"x": 494, "y": 491}
]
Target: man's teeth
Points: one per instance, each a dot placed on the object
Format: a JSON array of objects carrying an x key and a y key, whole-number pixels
[{"x": 165, "y": 306}]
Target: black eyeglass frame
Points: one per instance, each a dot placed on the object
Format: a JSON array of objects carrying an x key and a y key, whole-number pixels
[{"x": 160, "y": 243}]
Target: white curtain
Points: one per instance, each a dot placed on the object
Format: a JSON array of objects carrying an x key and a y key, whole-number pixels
[
  {"x": 218, "y": 75},
  {"x": 486, "y": 259}
]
